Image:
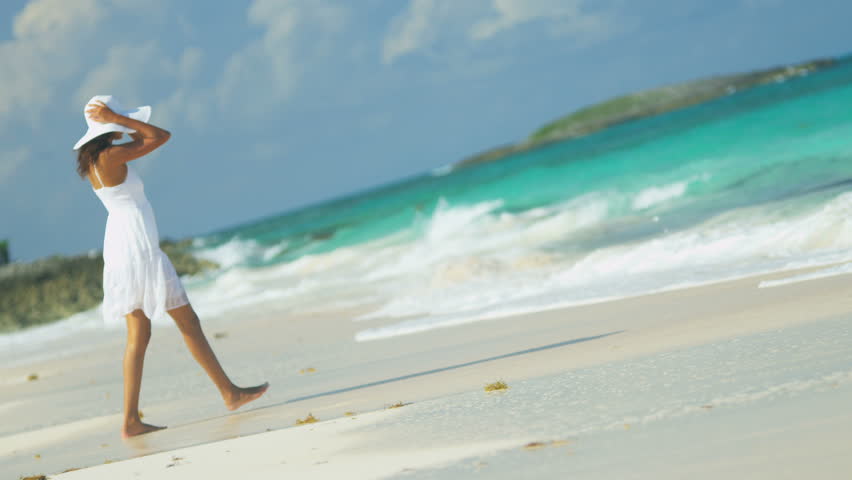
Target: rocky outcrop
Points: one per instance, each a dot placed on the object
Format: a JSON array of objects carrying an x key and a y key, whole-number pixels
[{"x": 53, "y": 288}]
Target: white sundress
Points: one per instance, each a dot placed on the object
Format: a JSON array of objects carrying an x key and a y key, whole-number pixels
[{"x": 137, "y": 273}]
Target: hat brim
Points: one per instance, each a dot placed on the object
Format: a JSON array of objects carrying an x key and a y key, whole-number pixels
[{"x": 143, "y": 114}]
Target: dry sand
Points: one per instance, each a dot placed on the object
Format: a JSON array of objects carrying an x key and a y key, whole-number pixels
[{"x": 618, "y": 385}]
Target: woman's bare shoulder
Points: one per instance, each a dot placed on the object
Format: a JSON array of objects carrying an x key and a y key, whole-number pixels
[{"x": 111, "y": 171}]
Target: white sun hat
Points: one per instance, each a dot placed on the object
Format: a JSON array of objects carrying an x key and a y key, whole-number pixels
[{"x": 96, "y": 128}]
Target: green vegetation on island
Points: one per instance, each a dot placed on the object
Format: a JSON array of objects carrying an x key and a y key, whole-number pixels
[
  {"x": 644, "y": 104},
  {"x": 53, "y": 288}
]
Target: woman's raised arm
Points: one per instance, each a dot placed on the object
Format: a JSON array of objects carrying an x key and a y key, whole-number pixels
[{"x": 146, "y": 139}]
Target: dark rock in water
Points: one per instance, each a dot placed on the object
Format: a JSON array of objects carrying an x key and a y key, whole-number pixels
[
  {"x": 184, "y": 262},
  {"x": 53, "y": 288},
  {"x": 322, "y": 235},
  {"x": 47, "y": 290},
  {"x": 644, "y": 104}
]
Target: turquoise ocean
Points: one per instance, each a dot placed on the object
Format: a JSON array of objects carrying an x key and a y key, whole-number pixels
[{"x": 756, "y": 181}]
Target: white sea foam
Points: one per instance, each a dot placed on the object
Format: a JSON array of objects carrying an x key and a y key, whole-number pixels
[
  {"x": 563, "y": 220},
  {"x": 834, "y": 271},
  {"x": 654, "y": 195},
  {"x": 443, "y": 170},
  {"x": 239, "y": 252},
  {"x": 468, "y": 263},
  {"x": 26, "y": 346},
  {"x": 657, "y": 194},
  {"x": 448, "y": 222},
  {"x": 732, "y": 245},
  {"x": 80, "y": 321},
  {"x": 515, "y": 302}
]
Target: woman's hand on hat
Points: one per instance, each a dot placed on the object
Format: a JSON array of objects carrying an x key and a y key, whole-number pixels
[{"x": 99, "y": 112}]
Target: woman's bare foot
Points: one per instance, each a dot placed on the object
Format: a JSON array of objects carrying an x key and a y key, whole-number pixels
[
  {"x": 137, "y": 428},
  {"x": 242, "y": 396}
]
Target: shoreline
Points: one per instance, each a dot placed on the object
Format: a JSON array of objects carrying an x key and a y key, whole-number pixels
[{"x": 89, "y": 322}]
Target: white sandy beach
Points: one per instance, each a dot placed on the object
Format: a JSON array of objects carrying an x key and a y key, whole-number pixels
[{"x": 720, "y": 380}]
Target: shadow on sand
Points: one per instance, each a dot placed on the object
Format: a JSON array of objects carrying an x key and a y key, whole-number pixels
[{"x": 444, "y": 369}]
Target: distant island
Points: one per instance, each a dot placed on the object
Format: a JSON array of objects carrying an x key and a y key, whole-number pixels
[{"x": 643, "y": 104}]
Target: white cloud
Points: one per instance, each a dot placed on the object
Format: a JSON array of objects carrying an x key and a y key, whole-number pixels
[
  {"x": 52, "y": 40},
  {"x": 40, "y": 54},
  {"x": 49, "y": 20},
  {"x": 563, "y": 16},
  {"x": 186, "y": 102},
  {"x": 189, "y": 63},
  {"x": 257, "y": 77},
  {"x": 10, "y": 162},
  {"x": 377, "y": 121},
  {"x": 268, "y": 150},
  {"x": 426, "y": 23},
  {"x": 138, "y": 73},
  {"x": 761, "y": 3},
  {"x": 265, "y": 73},
  {"x": 413, "y": 29},
  {"x": 126, "y": 68}
]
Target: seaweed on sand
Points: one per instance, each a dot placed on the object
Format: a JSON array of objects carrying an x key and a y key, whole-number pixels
[
  {"x": 552, "y": 443},
  {"x": 497, "y": 386},
  {"x": 309, "y": 419}
]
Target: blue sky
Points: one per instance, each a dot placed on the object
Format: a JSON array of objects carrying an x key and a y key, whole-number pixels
[{"x": 275, "y": 104}]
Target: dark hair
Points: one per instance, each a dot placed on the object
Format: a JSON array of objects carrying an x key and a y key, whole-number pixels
[{"x": 88, "y": 154}]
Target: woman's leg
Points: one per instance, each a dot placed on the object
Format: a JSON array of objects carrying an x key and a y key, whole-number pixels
[
  {"x": 138, "y": 334},
  {"x": 189, "y": 325}
]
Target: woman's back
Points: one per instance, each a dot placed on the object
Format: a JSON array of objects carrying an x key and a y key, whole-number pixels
[{"x": 128, "y": 194}]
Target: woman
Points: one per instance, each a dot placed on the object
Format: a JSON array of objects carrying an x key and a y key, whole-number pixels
[{"x": 139, "y": 280}]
